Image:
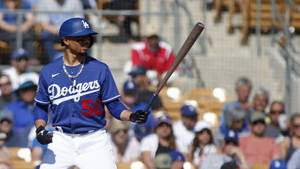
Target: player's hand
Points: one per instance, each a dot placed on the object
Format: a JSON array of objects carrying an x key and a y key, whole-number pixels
[
  {"x": 139, "y": 116},
  {"x": 43, "y": 136}
]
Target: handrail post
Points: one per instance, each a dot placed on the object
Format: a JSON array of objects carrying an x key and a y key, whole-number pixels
[{"x": 258, "y": 27}]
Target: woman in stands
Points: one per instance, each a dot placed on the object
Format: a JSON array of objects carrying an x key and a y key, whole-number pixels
[{"x": 289, "y": 145}]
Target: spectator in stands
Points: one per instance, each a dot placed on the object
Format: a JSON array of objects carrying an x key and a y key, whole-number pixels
[
  {"x": 294, "y": 162},
  {"x": 5, "y": 159},
  {"x": 123, "y": 22},
  {"x": 9, "y": 27},
  {"x": 273, "y": 128},
  {"x": 258, "y": 148},
  {"x": 184, "y": 128},
  {"x": 235, "y": 121},
  {"x": 18, "y": 72},
  {"x": 159, "y": 149},
  {"x": 202, "y": 145},
  {"x": 290, "y": 145},
  {"x": 50, "y": 23},
  {"x": 138, "y": 75},
  {"x": 6, "y": 125},
  {"x": 243, "y": 88},
  {"x": 125, "y": 148},
  {"x": 7, "y": 95},
  {"x": 23, "y": 111},
  {"x": 261, "y": 99},
  {"x": 153, "y": 54}
]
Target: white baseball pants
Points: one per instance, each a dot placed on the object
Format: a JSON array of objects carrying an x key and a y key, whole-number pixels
[{"x": 85, "y": 151}]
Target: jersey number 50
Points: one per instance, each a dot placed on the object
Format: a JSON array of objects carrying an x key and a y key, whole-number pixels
[{"x": 87, "y": 104}]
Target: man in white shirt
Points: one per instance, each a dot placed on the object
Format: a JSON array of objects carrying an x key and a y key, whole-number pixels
[
  {"x": 18, "y": 72},
  {"x": 184, "y": 128}
]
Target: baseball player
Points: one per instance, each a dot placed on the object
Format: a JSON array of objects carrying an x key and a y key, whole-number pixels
[{"x": 75, "y": 87}]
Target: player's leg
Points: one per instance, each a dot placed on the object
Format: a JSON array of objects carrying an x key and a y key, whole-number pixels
[
  {"x": 60, "y": 153},
  {"x": 95, "y": 152}
]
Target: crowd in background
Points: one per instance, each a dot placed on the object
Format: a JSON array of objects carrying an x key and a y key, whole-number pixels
[{"x": 252, "y": 131}]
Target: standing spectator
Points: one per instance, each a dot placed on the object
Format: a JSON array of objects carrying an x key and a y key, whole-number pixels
[
  {"x": 202, "y": 145},
  {"x": 18, "y": 72},
  {"x": 125, "y": 148},
  {"x": 138, "y": 75},
  {"x": 157, "y": 148},
  {"x": 184, "y": 128},
  {"x": 51, "y": 22},
  {"x": 153, "y": 54},
  {"x": 7, "y": 95},
  {"x": 9, "y": 27},
  {"x": 23, "y": 111},
  {"x": 290, "y": 145},
  {"x": 243, "y": 88},
  {"x": 235, "y": 121},
  {"x": 273, "y": 128},
  {"x": 258, "y": 148}
]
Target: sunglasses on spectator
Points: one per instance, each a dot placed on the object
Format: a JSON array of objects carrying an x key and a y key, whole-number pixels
[
  {"x": 277, "y": 112},
  {"x": 258, "y": 121},
  {"x": 296, "y": 126},
  {"x": 5, "y": 84}
]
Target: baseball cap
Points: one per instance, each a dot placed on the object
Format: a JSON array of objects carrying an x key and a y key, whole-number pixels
[
  {"x": 164, "y": 118},
  {"x": 278, "y": 164},
  {"x": 117, "y": 125},
  {"x": 201, "y": 125},
  {"x": 231, "y": 136},
  {"x": 6, "y": 115},
  {"x": 25, "y": 85},
  {"x": 130, "y": 87},
  {"x": 188, "y": 110},
  {"x": 138, "y": 70},
  {"x": 19, "y": 53},
  {"x": 257, "y": 116},
  {"x": 176, "y": 156},
  {"x": 142, "y": 130}
]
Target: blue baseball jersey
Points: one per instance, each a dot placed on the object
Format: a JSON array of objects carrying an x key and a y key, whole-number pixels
[{"x": 77, "y": 105}]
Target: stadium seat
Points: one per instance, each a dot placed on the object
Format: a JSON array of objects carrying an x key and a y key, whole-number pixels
[{"x": 19, "y": 162}]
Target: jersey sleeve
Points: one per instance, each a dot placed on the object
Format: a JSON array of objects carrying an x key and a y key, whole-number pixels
[
  {"x": 109, "y": 90},
  {"x": 135, "y": 58},
  {"x": 42, "y": 96}
]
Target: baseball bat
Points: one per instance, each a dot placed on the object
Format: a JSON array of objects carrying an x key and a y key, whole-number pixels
[{"x": 188, "y": 43}]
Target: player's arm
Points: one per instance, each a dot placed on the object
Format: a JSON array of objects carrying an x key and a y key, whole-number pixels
[{"x": 119, "y": 111}]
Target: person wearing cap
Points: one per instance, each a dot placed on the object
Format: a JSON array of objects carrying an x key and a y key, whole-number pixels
[
  {"x": 23, "y": 110},
  {"x": 235, "y": 120},
  {"x": 258, "y": 148},
  {"x": 155, "y": 148},
  {"x": 125, "y": 148},
  {"x": 18, "y": 72},
  {"x": 7, "y": 94},
  {"x": 51, "y": 23},
  {"x": 138, "y": 75},
  {"x": 184, "y": 128},
  {"x": 153, "y": 54}
]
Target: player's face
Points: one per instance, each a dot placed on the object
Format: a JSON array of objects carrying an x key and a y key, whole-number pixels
[{"x": 79, "y": 44}]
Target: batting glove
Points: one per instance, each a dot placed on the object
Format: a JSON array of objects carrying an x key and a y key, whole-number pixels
[
  {"x": 139, "y": 116},
  {"x": 43, "y": 136}
]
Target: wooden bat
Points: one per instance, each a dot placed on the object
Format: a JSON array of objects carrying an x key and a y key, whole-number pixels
[{"x": 189, "y": 42}]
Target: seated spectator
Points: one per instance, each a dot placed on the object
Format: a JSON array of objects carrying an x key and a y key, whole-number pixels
[
  {"x": 138, "y": 75},
  {"x": 184, "y": 128},
  {"x": 235, "y": 121},
  {"x": 18, "y": 72},
  {"x": 125, "y": 148},
  {"x": 291, "y": 144},
  {"x": 7, "y": 95},
  {"x": 23, "y": 111},
  {"x": 278, "y": 164},
  {"x": 258, "y": 148},
  {"x": 9, "y": 27},
  {"x": 243, "y": 88},
  {"x": 202, "y": 144},
  {"x": 157, "y": 148},
  {"x": 6, "y": 126},
  {"x": 122, "y": 21},
  {"x": 261, "y": 100},
  {"x": 5, "y": 159},
  {"x": 51, "y": 23},
  {"x": 153, "y": 54},
  {"x": 273, "y": 128},
  {"x": 294, "y": 162}
]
